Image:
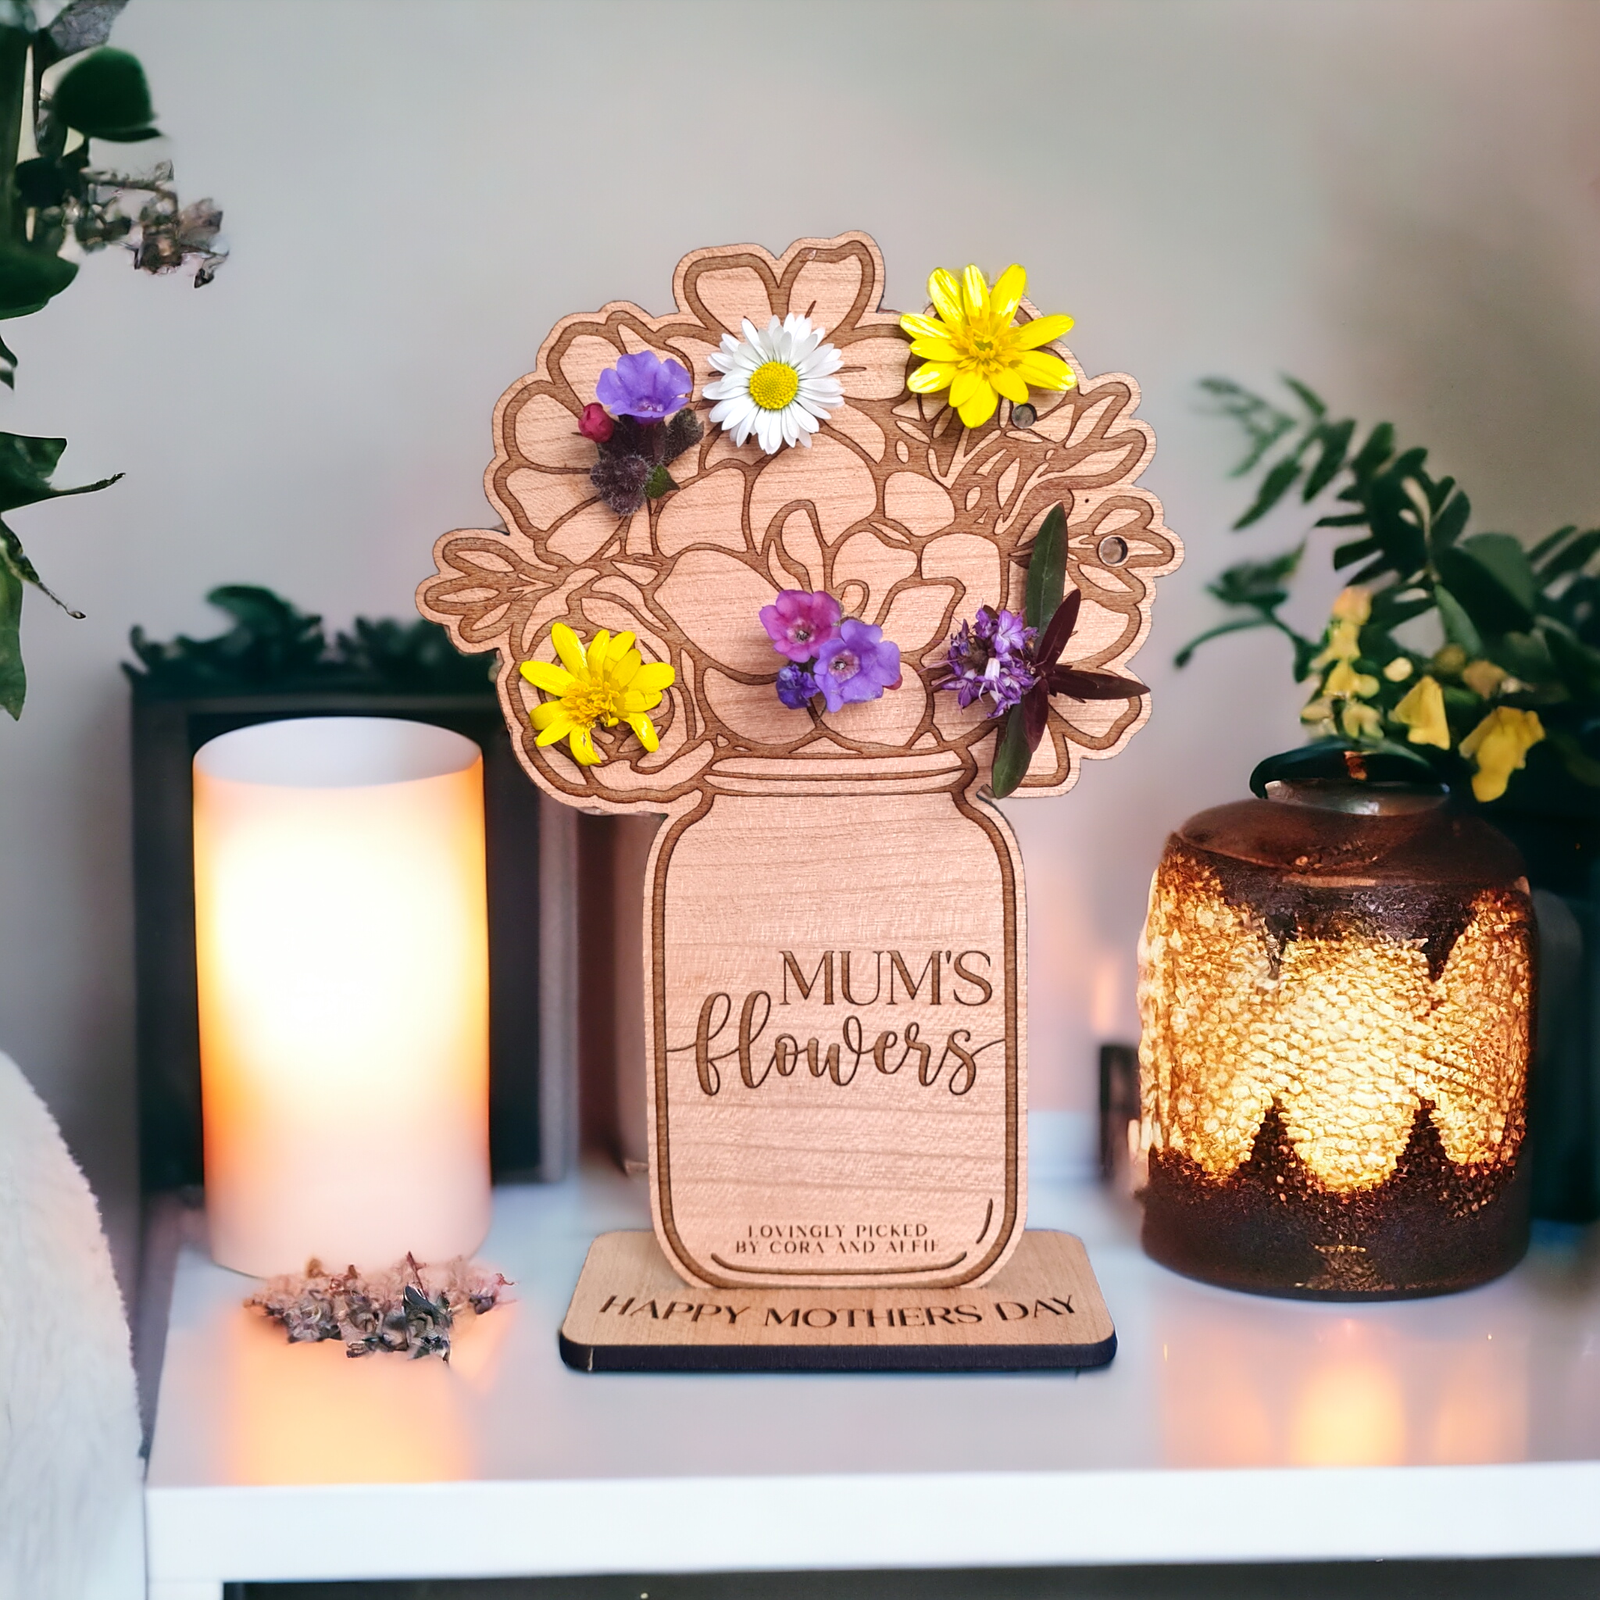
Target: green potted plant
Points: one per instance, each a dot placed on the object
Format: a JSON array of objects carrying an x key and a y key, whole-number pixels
[
  {"x": 64, "y": 95},
  {"x": 1466, "y": 656}
]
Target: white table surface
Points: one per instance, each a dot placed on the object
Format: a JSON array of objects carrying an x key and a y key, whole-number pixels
[{"x": 1228, "y": 1428}]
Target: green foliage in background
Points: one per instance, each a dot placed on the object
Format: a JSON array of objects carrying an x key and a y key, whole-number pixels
[
  {"x": 1472, "y": 651},
  {"x": 273, "y": 646},
  {"x": 55, "y": 206}
]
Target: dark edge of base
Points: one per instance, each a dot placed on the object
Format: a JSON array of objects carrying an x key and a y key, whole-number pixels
[
  {"x": 835, "y": 1358},
  {"x": 1332, "y": 1297}
]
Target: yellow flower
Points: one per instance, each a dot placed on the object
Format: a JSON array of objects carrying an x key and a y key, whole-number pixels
[
  {"x": 1320, "y": 712},
  {"x": 1360, "y": 721},
  {"x": 1422, "y": 710},
  {"x": 1344, "y": 682},
  {"x": 1450, "y": 660},
  {"x": 1353, "y": 605},
  {"x": 1399, "y": 669},
  {"x": 1343, "y": 643},
  {"x": 974, "y": 348},
  {"x": 1501, "y": 743},
  {"x": 1483, "y": 677},
  {"x": 608, "y": 683}
]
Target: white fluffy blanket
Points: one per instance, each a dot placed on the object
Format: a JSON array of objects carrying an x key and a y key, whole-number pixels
[{"x": 69, "y": 1427}]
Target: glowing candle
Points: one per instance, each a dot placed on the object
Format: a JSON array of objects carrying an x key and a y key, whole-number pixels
[{"x": 342, "y": 951}]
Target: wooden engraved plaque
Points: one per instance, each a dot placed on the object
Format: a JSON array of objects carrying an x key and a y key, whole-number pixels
[
  {"x": 834, "y": 928},
  {"x": 632, "y": 1313}
]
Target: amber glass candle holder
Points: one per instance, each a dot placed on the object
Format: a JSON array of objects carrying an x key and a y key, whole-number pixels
[{"x": 1335, "y": 989}]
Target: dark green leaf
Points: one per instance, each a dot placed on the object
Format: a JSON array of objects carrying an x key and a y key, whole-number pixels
[
  {"x": 1047, "y": 569},
  {"x": 1486, "y": 598},
  {"x": 1504, "y": 556},
  {"x": 1549, "y": 542},
  {"x": 16, "y": 558},
  {"x": 1449, "y": 524},
  {"x": 13, "y": 677},
  {"x": 1262, "y": 421},
  {"x": 1394, "y": 521},
  {"x": 1351, "y": 519},
  {"x": 1011, "y": 756},
  {"x": 1377, "y": 449},
  {"x": 1238, "y": 625},
  {"x": 1438, "y": 493},
  {"x": 1389, "y": 614},
  {"x": 1525, "y": 656},
  {"x": 1582, "y": 767},
  {"x": 8, "y": 366},
  {"x": 1578, "y": 665},
  {"x": 30, "y": 279},
  {"x": 1273, "y": 488},
  {"x": 1257, "y": 583},
  {"x": 1335, "y": 439},
  {"x": 26, "y": 464},
  {"x": 1310, "y": 400},
  {"x": 1574, "y": 555},
  {"x": 105, "y": 96},
  {"x": 1357, "y": 550},
  {"x": 1458, "y": 628}
]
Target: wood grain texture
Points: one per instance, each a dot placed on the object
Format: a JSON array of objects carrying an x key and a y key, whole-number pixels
[
  {"x": 834, "y": 965},
  {"x": 630, "y": 1313}
]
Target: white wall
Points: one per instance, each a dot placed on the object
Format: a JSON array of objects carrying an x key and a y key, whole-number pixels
[{"x": 1399, "y": 202}]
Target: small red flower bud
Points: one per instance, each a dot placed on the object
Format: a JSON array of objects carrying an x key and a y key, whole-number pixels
[{"x": 595, "y": 424}]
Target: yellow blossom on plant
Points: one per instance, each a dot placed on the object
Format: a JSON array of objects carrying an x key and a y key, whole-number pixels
[
  {"x": 609, "y": 682},
  {"x": 1450, "y": 660},
  {"x": 1483, "y": 677},
  {"x": 1361, "y": 721},
  {"x": 1343, "y": 644},
  {"x": 1344, "y": 682},
  {"x": 974, "y": 348},
  {"x": 1353, "y": 605},
  {"x": 1500, "y": 744},
  {"x": 1320, "y": 712},
  {"x": 1399, "y": 669},
  {"x": 1422, "y": 711}
]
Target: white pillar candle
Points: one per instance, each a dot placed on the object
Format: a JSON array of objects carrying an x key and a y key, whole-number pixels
[{"x": 341, "y": 939}]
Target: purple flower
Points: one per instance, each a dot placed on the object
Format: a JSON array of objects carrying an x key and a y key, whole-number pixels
[
  {"x": 644, "y": 386},
  {"x": 992, "y": 656},
  {"x": 799, "y": 623},
  {"x": 858, "y": 665},
  {"x": 796, "y": 686}
]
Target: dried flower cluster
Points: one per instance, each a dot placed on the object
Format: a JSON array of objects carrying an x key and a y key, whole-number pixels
[{"x": 409, "y": 1310}]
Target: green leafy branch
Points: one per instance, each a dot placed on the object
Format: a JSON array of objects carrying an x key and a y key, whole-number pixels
[
  {"x": 1519, "y": 627},
  {"x": 53, "y": 201}
]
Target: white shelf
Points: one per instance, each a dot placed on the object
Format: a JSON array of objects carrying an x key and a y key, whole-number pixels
[{"x": 1228, "y": 1428}]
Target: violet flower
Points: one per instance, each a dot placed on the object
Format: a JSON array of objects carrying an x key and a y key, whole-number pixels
[
  {"x": 796, "y": 686},
  {"x": 858, "y": 665},
  {"x": 991, "y": 656},
  {"x": 644, "y": 386},
  {"x": 799, "y": 623}
]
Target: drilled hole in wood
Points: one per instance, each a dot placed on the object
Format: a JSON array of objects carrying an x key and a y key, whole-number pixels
[{"x": 1113, "y": 550}]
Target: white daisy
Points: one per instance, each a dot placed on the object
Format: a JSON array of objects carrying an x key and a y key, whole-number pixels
[{"x": 778, "y": 384}]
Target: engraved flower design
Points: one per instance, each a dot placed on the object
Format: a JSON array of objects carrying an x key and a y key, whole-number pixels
[{"x": 910, "y": 519}]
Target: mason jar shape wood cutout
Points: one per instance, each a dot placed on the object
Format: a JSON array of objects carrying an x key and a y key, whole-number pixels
[{"x": 834, "y": 920}]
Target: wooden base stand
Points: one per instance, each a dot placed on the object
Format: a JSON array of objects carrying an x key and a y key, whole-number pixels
[{"x": 632, "y": 1313}]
